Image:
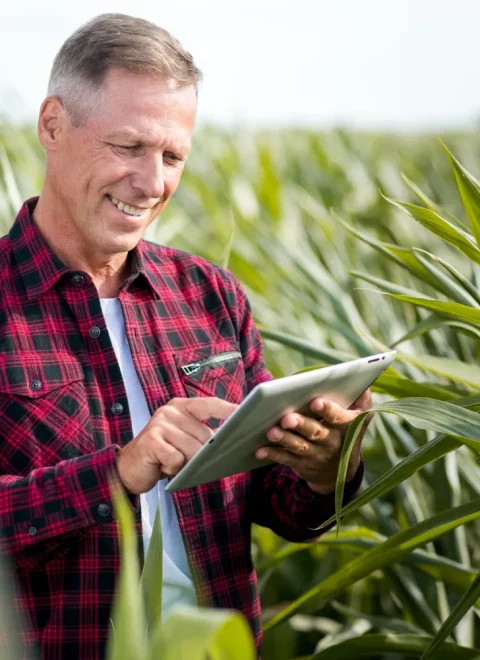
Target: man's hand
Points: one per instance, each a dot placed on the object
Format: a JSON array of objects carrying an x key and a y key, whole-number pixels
[
  {"x": 312, "y": 448},
  {"x": 172, "y": 436}
]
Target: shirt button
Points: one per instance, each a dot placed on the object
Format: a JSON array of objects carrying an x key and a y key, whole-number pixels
[
  {"x": 117, "y": 408},
  {"x": 78, "y": 279},
  {"x": 94, "y": 332},
  {"x": 32, "y": 531},
  {"x": 103, "y": 509},
  {"x": 36, "y": 384}
]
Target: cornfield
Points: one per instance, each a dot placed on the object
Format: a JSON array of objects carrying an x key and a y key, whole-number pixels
[{"x": 349, "y": 244}]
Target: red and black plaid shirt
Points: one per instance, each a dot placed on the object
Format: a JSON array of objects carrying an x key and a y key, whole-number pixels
[{"x": 64, "y": 413}]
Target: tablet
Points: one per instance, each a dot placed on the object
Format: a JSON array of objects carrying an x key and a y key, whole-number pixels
[{"x": 231, "y": 449}]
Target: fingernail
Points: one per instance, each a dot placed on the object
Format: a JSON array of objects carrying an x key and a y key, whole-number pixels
[
  {"x": 275, "y": 434},
  {"x": 294, "y": 423},
  {"x": 262, "y": 453},
  {"x": 317, "y": 406}
]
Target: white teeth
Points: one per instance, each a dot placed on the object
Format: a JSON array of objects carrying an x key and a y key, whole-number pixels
[{"x": 129, "y": 210}]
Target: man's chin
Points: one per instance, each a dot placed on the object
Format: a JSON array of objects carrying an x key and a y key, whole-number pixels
[{"x": 121, "y": 244}]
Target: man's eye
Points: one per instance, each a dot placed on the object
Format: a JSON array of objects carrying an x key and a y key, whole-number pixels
[
  {"x": 173, "y": 157},
  {"x": 127, "y": 148}
]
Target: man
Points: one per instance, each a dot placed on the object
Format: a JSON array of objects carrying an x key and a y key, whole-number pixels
[{"x": 95, "y": 327}]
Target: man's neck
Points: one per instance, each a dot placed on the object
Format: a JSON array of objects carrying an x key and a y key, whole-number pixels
[{"x": 107, "y": 274}]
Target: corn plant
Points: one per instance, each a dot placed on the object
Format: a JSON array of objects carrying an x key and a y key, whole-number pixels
[{"x": 336, "y": 269}]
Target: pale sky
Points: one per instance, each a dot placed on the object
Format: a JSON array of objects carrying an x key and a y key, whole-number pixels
[{"x": 400, "y": 64}]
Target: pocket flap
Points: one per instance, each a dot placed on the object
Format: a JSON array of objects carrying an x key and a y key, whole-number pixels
[{"x": 21, "y": 376}]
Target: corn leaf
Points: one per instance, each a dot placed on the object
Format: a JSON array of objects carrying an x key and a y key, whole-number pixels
[
  {"x": 462, "y": 312},
  {"x": 152, "y": 574},
  {"x": 467, "y": 601},
  {"x": 434, "y": 322},
  {"x": 195, "y": 634},
  {"x": 391, "y": 383},
  {"x": 456, "y": 274},
  {"x": 454, "y": 370},
  {"x": 457, "y": 237},
  {"x": 470, "y": 193},
  {"x": 446, "y": 283},
  {"x": 399, "y": 255},
  {"x": 428, "y": 201},
  {"x": 327, "y": 355},
  {"x": 360, "y": 539},
  {"x": 351, "y": 437},
  {"x": 382, "y": 644},
  {"x": 127, "y": 638},
  {"x": 430, "y": 414},
  {"x": 393, "y": 549}
]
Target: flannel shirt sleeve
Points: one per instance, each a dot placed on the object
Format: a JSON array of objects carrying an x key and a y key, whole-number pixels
[
  {"x": 279, "y": 499},
  {"x": 53, "y": 501}
]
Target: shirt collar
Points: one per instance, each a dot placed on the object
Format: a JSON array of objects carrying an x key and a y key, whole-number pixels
[{"x": 40, "y": 268}]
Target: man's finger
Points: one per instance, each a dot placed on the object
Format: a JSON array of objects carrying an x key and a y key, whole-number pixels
[
  {"x": 202, "y": 408},
  {"x": 278, "y": 455},
  {"x": 308, "y": 427},
  {"x": 364, "y": 401},
  {"x": 332, "y": 413},
  {"x": 291, "y": 441}
]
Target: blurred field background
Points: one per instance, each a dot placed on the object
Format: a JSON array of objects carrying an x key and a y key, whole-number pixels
[{"x": 300, "y": 217}]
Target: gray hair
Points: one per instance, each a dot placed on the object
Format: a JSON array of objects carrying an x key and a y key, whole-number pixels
[{"x": 118, "y": 41}]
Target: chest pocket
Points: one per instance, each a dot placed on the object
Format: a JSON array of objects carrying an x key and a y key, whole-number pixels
[
  {"x": 213, "y": 371},
  {"x": 44, "y": 414}
]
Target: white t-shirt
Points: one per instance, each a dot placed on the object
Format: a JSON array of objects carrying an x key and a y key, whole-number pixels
[{"x": 177, "y": 581}]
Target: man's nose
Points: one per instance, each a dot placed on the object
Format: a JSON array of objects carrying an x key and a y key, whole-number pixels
[{"x": 149, "y": 177}]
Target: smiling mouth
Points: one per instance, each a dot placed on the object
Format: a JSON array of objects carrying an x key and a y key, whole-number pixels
[{"x": 134, "y": 211}]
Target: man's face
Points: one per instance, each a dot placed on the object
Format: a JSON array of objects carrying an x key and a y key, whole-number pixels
[{"x": 115, "y": 173}]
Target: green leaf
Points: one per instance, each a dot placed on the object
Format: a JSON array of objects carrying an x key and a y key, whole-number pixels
[
  {"x": 351, "y": 437},
  {"x": 446, "y": 230},
  {"x": 383, "y": 644},
  {"x": 439, "y": 416},
  {"x": 414, "y": 602},
  {"x": 195, "y": 634},
  {"x": 129, "y": 624},
  {"x": 152, "y": 574},
  {"x": 391, "y": 383},
  {"x": 427, "y": 201},
  {"x": 399, "y": 255},
  {"x": 406, "y": 258},
  {"x": 393, "y": 549},
  {"x": 327, "y": 355},
  {"x": 360, "y": 539},
  {"x": 12, "y": 645},
  {"x": 427, "y": 453},
  {"x": 446, "y": 283},
  {"x": 470, "y": 193},
  {"x": 457, "y": 276},
  {"x": 384, "y": 285},
  {"x": 380, "y": 622},
  {"x": 436, "y": 566},
  {"x": 467, "y": 601},
  {"x": 434, "y": 322},
  {"x": 462, "y": 312},
  {"x": 454, "y": 370}
]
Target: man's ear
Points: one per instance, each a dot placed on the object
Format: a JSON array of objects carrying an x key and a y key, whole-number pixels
[{"x": 52, "y": 123}]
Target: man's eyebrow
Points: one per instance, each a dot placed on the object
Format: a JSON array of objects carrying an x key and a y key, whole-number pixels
[{"x": 125, "y": 135}]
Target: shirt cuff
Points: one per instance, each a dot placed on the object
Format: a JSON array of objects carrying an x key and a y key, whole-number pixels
[
  {"x": 305, "y": 494},
  {"x": 91, "y": 480}
]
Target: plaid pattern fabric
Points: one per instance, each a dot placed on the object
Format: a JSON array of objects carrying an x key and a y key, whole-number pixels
[{"x": 64, "y": 414}]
